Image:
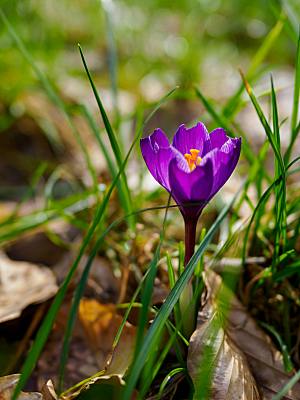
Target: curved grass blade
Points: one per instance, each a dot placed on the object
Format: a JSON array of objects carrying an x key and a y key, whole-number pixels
[
  {"x": 147, "y": 290},
  {"x": 110, "y": 164},
  {"x": 80, "y": 288},
  {"x": 279, "y": 8},
  {"x": 95, "y": 130},
  {"x": 150, "y": 341},
  {"x": 257, "y": 60},
  {"x": 114, "y": 144},
  {"x": 280, "y": 395},
  {"x": 288, "y": 365},
  {"x": 47, "y": 324},
  {"x": 262, "y": 200},
  {"x": 264, "y": 123},
  {"x": 280, "y": 190},
  {"x": 223, "y": 122},
  {"x": 167, "y": 379},
  {"x": 9, "y": 229}
]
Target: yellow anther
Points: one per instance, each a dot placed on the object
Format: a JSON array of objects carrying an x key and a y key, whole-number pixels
[
  {"x": 194, "y": 153},
  {"x": 193, "y": 159}
]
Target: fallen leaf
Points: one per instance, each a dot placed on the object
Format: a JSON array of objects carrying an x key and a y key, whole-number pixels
[
  {"x": 242, "y": 340},
  {"x": 265, "y": 361},
  {"x": 7, "y": 387},
  {"x": 218, "y": 368},
  {"x": 48, "y": 391},
  {"x": 101, "y": 323},
  {"x": 22, "y": 284}
]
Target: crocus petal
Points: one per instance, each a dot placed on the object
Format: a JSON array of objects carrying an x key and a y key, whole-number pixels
[
  {"x": 150, "y": 146},
  {"x": 224, "y": 160},
  {"x": 217, "y": 138},
  {"x": 164, "y": 157},
  {"x": 189, "y": 187},
  {"x": 196, "y": 137},
  {"x": 160, "y": 138}
]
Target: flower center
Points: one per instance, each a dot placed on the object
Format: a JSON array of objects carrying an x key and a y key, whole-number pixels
[{"x": 193, "y": 159}]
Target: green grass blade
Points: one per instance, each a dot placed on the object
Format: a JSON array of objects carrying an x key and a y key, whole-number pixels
[
  {"x": 291, "y": 29},
  {"x": 96, "y": 132},
  {"x": 292, "y": 15},
  {"x": 276, "y": 130},
  {"x": 155, "y": 330},
  {"x": 266, "y": 46},
  {"x": 170, "y": 375},
  {"x": 172, "y": 281},
  {"x": 264, "y": 123},
  {"x": 47, "y": 324},
  {"x": 262, "y": 200},
  {"x": 147, "y": 289},
  {"x": 114, "y": 143},
  {"x": 110, "y": 164},
  {"x": 10, "y": 229},
  {"x": 257, "y": 60},
  {"x": 288, "y": 365},
  {"x": 280, "y": 190},
  {"x": 224, "y": 123},
  {"x": 280, "y": 395},
  {"x": 287, "y": 271},
  {"x": 80, "y": 288}
]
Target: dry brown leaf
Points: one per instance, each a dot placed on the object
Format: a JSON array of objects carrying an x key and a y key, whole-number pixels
[
  {"x": 231, "y": 376},
  {"x": 242, "y": 333},
  {"x": 22, "y": 284},
  {"x": 265, "y": 360},
  {"x": 7, "y": 387},
  {"x": 101, "y": 323},
  {"x": 48, "y": 391}
]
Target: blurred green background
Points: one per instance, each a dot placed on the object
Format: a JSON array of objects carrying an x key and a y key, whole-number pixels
[
  {"x": 159, "y": 43},
  {"x": 136, "y": 51}
]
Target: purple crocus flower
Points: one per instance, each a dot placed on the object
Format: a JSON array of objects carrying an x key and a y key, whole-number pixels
[{"x": 193, "y": 168}]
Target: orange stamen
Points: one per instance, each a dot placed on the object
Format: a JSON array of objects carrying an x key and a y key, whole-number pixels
[{"x": 193, "y": 159}]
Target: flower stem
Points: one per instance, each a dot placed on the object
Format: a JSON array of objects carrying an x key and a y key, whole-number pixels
[
  {"x": 186, "y": 301},
  {"x": 190, "y": 237}
]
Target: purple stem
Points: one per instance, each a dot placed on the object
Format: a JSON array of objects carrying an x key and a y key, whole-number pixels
[{"x": 190, "y": 237}]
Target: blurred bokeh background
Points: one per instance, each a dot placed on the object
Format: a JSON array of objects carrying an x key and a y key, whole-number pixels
[{"x": 137, "y": 51}]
